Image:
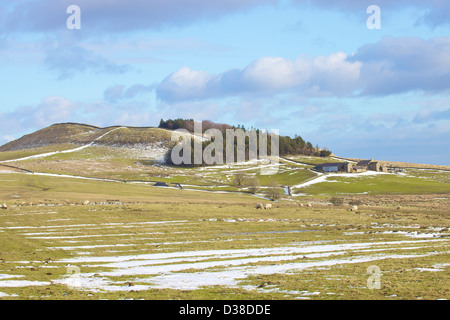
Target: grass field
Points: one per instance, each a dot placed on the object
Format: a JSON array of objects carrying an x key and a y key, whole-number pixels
[
  {"x": 132, "y": 165},
  {"x": 165, "y": 243},
  {"x": 411, "y": 182}
]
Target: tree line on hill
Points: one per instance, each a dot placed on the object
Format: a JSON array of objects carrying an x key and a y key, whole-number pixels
[
  {"x": 188, "y": 124},
  {"x": 287, "y": 145}
]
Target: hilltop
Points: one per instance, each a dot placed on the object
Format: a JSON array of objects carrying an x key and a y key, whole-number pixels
[
  {"x": 55, "y": 134},
  {"x": 82, "y": 134}
]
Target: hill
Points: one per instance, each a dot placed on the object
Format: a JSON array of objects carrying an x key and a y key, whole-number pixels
[
  {"x": 82, "y": 134},
  {"x": 53, "y": 135},
  {"x": 73, "y": 138}
]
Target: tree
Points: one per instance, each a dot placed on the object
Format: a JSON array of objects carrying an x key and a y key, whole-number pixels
[
  {"x": 337, "y": 201},
  {"x": 325, "y": 152},
  {"x": 239, "y": 179},
  {"x": 274, "y": 191},
  {"x": 253, "y": 184}
]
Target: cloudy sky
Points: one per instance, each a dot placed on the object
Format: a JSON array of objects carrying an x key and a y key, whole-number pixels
[{"x": 306, "y": 67}]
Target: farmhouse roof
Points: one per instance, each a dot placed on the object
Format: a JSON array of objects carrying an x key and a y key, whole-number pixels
[
  {"x": 364, "y": 162},
  {"x": 330, "y": 164}
]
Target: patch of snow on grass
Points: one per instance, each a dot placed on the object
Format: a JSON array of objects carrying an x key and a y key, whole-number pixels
[
  {"x": 168, "y": 270},
  {"x": 21, "y": 283},
  {"x": 324, "y": 177}
]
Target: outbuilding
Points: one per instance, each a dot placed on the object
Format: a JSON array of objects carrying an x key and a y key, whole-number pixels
[
  {"x": 334, "y": 167},
  {"x": 372, "y": 165}
]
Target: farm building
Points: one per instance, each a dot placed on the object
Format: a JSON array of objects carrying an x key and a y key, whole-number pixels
[
  {"x": 371, "y": 165},
  {"x": 334, "y": 167},
  {"x": 357, "y": 169}
]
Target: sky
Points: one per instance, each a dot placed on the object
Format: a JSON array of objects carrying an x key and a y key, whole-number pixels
[{"x": 313, "y": 68}]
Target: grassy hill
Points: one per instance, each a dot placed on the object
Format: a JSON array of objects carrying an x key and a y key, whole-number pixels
[
  {"x": 68, "y": 136},
  {"x": 57, "y": 134},
  {"x": 81, "y": 134}
]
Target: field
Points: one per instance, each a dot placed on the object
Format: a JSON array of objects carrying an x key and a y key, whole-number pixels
[
  {"x": 136, "y": 241},
  {"x": 411, "y": 181}
]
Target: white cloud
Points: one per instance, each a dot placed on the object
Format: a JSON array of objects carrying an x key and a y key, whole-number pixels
[
  {"x": 274, "y": 73},
  {"x": 332, "y": 75},
  {"x": 186, "y": 84}
]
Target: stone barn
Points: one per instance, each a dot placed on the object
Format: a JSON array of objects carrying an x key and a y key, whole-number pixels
[
  {"x": 334, "y": 167},
  {"x": 372, "y": 165}
]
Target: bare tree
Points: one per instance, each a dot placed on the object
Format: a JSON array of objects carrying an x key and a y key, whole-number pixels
[
  {"x": 274, "y": 192},
  {"x": 239, "y": 179},
  {"x": 253, "y": 184},
  {"x": 337, "y": 201}
]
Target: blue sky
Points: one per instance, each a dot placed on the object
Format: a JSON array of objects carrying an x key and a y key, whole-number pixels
[{"x": 311, "y": 68}]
